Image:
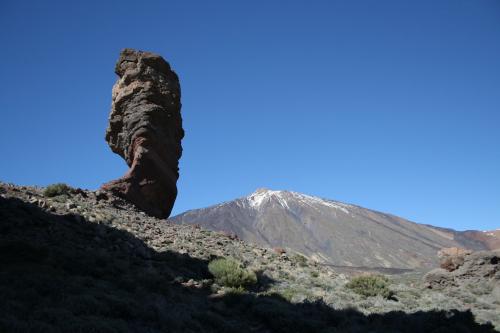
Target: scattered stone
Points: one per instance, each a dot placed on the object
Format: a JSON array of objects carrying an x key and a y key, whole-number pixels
[
  {"x": 101, "y": 195},
  {"x": 438, "y": 279},
  {"x": 70, "y": 205},
  {"x": 79, "y": 191}
]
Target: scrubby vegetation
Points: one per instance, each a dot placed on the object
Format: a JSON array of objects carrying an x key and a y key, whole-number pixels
[
  {"x": 56, "y": 189},
  {"x": 229, "y": 273},
  {"x": 300, "y": 260},
  {"x": 102, "y": 266},
  {"x": 370, "y": 285}
]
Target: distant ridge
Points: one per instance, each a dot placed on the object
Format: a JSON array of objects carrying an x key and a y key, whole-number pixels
[{"x": 333, "y": 232}]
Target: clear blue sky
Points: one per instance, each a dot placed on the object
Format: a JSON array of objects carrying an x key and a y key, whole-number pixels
[{"x": 391, "y": 105}]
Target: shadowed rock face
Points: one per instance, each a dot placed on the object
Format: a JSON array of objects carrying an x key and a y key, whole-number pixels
[{"x": 145, "y": 128}]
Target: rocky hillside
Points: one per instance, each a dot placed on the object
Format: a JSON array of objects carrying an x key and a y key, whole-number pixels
[
  {"x": 466, "y": 269},
  {"x": 330, "y": 231},
  {"x": 81, "y": 261},
  {"x": 490, "y": 238}
]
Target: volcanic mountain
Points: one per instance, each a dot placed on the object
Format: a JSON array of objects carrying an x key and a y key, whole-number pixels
[{"x": 332, "y": 232}]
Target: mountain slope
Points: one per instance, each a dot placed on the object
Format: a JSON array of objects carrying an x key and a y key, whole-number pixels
[
  {"x": 85, "y": 261},
  {"x": 327, "y": 230}
]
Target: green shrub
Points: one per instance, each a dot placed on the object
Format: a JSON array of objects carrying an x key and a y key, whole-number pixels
[
  {"x": 300, "y": 260},
  {"x": 370, "y": 285},
  {"x": 288, "y": 294},
  {"x": 229, "y": 273},
  {"x": 238, "y": 291},
  {"x": 56, "y": 189}
]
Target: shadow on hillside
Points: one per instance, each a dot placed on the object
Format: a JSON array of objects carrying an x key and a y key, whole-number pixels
[{"x": 64, "y": 274}]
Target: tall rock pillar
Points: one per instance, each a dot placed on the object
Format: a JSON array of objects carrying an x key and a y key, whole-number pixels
[{"x": 145, "y": 128}]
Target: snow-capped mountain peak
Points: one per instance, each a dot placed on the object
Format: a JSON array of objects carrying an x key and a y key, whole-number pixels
[
  {"x": 263, "y": 195},
  {"x": 339, "y": 233}
]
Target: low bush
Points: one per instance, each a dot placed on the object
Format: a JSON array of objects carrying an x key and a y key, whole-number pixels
[
  {"x": 230, "y": 273},
  {"x": 370, "y": 285},
  {"x": 56, "y": 189},
  {"x": 289, "y": 294},
  {"x": 300, "y": 260}
]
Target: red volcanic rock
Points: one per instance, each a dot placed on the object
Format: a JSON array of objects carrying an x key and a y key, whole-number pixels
[
  {"x": 452, "y": 257},
  {"x": 145, "y": 128},
  {"x": 279, "y": 250},
  {"x": 474, "y": 269}
]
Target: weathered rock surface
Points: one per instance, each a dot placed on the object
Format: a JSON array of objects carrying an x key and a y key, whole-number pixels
[
  {"x": 468, "y": 269},
  {"x": 145, "y": 128},
  {"x": 452, "y": 257}
]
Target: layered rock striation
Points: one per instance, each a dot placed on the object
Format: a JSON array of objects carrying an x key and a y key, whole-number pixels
[{"x": 145, "y": 128}]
